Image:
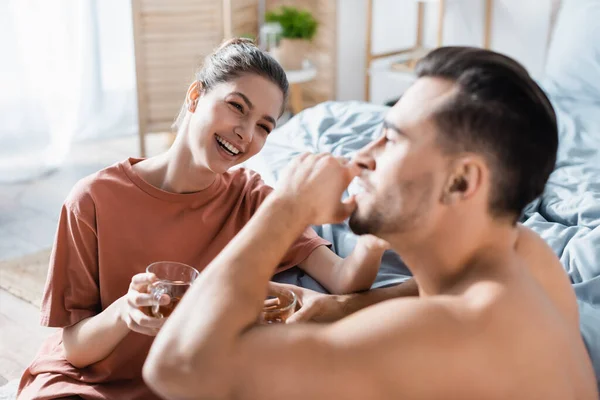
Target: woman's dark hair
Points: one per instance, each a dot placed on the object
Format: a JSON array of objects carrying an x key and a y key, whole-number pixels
[
  {"x": 234, "y": 58},
  {"x": 500, "y": 112}
]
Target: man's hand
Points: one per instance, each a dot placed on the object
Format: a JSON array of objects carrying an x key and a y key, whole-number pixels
[
  {"x": 314, "y": 306},
  {"x": 316, "y": 183},
  {"x": 319, "y": 307}
]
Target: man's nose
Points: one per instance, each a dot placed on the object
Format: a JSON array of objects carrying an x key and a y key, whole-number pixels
[{"x": 364, "y": 157}]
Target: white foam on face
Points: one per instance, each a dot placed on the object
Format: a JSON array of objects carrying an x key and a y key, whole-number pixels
[{"x": 355, "y": 188}]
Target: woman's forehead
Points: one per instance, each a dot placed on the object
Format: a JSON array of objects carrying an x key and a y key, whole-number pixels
[
  {"x": 252, "y": 83},
  {"x": 255, "y": 92}
]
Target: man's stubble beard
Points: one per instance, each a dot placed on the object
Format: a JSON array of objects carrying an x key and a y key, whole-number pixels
[
  {"x": 379, "y": 222},
  {"x": 364, "y": 225}
]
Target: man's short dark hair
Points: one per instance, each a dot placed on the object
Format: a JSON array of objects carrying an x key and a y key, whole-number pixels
[{"x": 499, "y": 111}]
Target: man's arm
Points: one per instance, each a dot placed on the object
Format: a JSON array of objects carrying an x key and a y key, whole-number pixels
[
  {"x": 318, "y": 307},
  {"x": 231, "y": 290},
  {"x": 404, "y": 348},
  {"x": 358, "y": 301},
  {"x": 197, "y": 354},
  {"x": 383, "y": 352},
  {"x": 211, "y": 348}
]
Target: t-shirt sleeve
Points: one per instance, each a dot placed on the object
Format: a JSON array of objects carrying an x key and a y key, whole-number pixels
[
  {"x": 303, "y": 246},
  {"x": 301, "y": 249},
  {"x": 72, "y": 293}
]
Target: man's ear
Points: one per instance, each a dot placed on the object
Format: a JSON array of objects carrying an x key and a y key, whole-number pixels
[
  {"x": 193, "y": 94},
  {"x": 464, "y": 180}
]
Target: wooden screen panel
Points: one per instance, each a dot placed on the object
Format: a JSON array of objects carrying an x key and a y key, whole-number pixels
[
  {"x": 244, "y": 17},
  {"x": 171, "y": 39},
  {"x": 323, "y": 48}
]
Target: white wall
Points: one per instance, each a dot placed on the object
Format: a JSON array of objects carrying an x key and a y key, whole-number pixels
[
  {"x": 519, "y": 29},
  {"x": 351, "y": 48}
]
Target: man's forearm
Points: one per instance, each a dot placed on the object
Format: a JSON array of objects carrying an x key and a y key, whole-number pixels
[
  {"x": 251, "y": 258},
  {"x": 94, "y": 338},
  {"x": 358, "y": 301},
  {"x": 230, "y": 293}
]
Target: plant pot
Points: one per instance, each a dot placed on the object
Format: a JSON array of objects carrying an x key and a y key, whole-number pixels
[{"x": 291, "y": 53}]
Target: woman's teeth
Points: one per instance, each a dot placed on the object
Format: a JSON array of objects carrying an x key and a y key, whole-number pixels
[{"x": 228, "y": 146}]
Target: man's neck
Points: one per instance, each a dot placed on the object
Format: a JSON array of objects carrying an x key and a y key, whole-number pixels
[{"x": 448, "y": 255}]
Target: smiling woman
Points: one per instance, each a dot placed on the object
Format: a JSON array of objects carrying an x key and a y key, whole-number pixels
[
  {"x": 181, "y": 206},
  {"x": 230, "y": 108}
]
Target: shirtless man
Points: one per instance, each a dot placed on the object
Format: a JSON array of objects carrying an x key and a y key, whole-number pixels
[
  {"x": 460, "y": 155},
  {"x": 538, "y": 258}
]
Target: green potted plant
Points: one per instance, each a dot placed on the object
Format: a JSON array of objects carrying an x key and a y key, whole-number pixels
[{"x": 298, "y": 28}]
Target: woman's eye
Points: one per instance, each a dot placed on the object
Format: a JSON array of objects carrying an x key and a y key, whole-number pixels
[
  {"x": 238, "y": 106},
  {"x": 265, "y": 128}
]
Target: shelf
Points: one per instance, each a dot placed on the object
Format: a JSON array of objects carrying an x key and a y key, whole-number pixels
[{"x": 407, "y": 58}]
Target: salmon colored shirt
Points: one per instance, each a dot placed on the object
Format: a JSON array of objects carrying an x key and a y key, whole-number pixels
[{"x": 113, "y": 225}]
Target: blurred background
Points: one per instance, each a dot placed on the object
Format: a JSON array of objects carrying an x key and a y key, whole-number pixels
[{"x": 83, "y": 82}]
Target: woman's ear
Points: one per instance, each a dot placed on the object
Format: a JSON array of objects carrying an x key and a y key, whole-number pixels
[
  {"x": 193, "y": 94},
  {"x": 465, "y": 180}
]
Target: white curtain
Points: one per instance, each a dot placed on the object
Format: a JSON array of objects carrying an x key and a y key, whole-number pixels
[{"x": 66, "y": 74}]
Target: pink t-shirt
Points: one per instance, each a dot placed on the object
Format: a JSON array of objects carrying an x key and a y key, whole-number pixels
[{"x": 113, "y": 225}]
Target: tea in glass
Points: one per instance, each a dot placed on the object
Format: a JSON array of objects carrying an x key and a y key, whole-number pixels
[
  {"x": 174, "y": 279},
  {"x": 279, "y": 305}
]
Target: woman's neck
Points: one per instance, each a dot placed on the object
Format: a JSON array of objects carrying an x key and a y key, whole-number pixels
[{"x": 175, "y": 171}]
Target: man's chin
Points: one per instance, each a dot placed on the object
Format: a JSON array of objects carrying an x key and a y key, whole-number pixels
[{"x": 361, "y": 225}]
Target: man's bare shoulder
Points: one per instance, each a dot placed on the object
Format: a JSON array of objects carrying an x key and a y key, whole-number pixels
[
  {"x": 547, "y": 270},
  {"x": 532, "y": 248}
]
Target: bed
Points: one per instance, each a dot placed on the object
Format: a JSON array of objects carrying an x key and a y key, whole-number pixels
[{"x": 567, "y": 215}]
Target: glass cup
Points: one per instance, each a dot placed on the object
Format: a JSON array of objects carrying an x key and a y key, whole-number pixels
[
  {"x": 279, "y": 305},
  {"x": 174, "y": 279}
]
